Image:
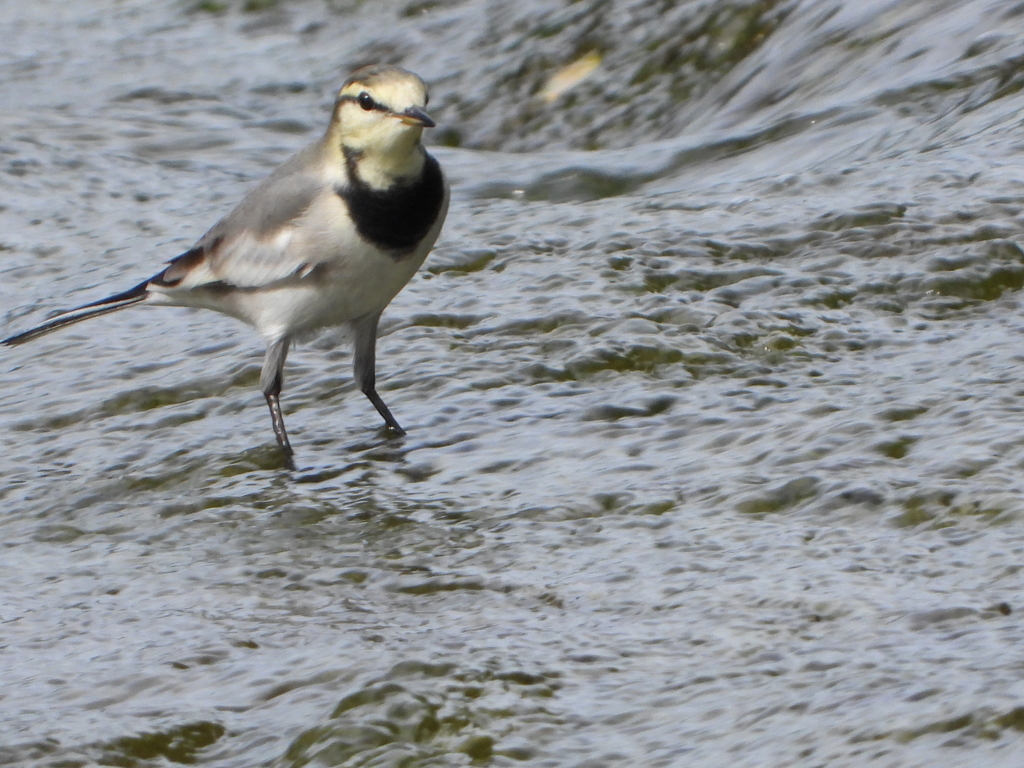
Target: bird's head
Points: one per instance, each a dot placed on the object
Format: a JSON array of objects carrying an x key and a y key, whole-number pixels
[{"x": 380, "y": 115}]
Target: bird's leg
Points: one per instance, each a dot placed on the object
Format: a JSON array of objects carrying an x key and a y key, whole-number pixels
[
  {"x": 274, "y": 402},
  {"x": 364, "y": 367},
  {"x": 271, "y": 380}
]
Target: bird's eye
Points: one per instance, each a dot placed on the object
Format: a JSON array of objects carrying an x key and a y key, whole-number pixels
[{"x": 366, "y": 101}]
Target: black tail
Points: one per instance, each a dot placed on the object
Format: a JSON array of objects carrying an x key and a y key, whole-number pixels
[{"x": 72, "y": 316}]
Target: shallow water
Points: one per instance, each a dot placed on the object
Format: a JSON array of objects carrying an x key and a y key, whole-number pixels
[{"x": 712, "y": 390}]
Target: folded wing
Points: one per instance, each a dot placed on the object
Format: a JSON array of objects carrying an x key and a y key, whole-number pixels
[{"x": 255, "y": 245}]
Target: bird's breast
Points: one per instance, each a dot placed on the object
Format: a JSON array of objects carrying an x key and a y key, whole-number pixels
[{"x": 395, "y": 219}]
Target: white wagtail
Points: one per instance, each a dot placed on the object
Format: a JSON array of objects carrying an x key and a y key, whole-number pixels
[{"x": 328, "y": 239}]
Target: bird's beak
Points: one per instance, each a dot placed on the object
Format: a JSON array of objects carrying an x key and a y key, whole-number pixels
[{"x": 416, "y": 116}]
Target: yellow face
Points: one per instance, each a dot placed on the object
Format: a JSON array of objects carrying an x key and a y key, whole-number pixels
[{"x": 382, "y": 109}]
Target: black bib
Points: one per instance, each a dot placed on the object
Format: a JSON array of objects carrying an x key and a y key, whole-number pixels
[{"x": 395, "y": 219}]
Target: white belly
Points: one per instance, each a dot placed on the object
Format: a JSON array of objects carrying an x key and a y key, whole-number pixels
[{"x": 330, "y": 296}]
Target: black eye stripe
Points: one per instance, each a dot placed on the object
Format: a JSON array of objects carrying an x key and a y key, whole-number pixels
[
  {"x": 369, "y": 104},
  {"x": 366, "y": 103}
]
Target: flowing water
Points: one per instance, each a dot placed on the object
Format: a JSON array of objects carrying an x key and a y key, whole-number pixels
[{"x": 713, "y": 390}]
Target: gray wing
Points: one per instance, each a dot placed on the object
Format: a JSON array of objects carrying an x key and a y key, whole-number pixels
[{"x": 253, "y": 246}]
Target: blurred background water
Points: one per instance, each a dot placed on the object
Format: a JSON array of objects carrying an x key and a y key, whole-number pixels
[{"x": 712, "y": 387}]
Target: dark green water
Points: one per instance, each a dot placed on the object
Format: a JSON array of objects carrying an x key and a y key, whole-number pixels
[{"x": 713, "y": 390}]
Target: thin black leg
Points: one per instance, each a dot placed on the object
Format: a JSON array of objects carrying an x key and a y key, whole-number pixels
[
  {"x": 364, "y": 368},
  {"x": 271, "y": 381},
  {"x": 382, "y": 409},
  {"x": 274, "y": 403}
]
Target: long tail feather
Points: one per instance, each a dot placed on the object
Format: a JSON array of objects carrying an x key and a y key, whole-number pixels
[{"x": 72, "y": 316}]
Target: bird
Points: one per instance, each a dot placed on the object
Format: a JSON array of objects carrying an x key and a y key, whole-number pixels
[{"x": 328, "y": 239}]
